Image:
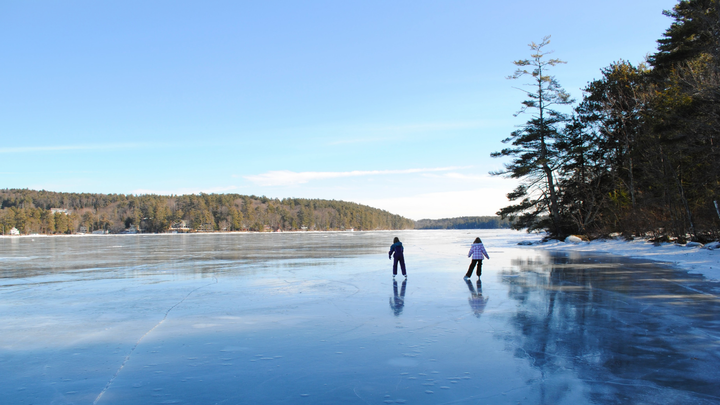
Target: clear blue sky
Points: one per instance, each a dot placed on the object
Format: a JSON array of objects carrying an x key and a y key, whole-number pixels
[{"x": 395, "y": 104}]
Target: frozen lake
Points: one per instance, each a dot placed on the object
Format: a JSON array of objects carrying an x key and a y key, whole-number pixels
[{"x": 316, "y": 318}]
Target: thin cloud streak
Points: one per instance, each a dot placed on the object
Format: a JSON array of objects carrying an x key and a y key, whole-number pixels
[
  {"x": 287, "y": 177},
  {"x": 466, "y": 177},
  {"x": 449, "y": 204},
  {"x": 64, "y": 148}
]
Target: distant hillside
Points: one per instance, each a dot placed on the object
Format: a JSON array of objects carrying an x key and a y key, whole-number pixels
[
  {"x": 463, "y": 223},
  {"x": 47, "y": 212}
]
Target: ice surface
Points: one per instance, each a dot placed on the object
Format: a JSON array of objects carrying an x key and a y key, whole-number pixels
[
  {"x": 317, "y": 318},
  {"x": 701, "y": 260}
]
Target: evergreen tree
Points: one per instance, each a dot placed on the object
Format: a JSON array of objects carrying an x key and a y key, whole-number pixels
[
  {"x": 533, "y": 146},
  {"x": 584, "y": 179},
  {"x": 61, "y": 223},
  {"x": 695, "y": 31},
  {"x": 686, "y": 111},
  {"x": 48, "y": 222},
  {"x": 604, "y": 149}
]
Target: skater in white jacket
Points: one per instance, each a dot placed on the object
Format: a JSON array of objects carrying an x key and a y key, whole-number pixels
[{"x": 477, "y": 251}]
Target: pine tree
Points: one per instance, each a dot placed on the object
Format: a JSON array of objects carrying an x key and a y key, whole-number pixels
[
  {"x": 533, "y": 146},
  {"x": 617, "y": 102},
  {"x": 686, "y": 111},
  {"x": 695, "y": 31}
]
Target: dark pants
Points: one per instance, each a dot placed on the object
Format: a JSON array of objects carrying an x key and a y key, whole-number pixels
[
  {"x": 400, "y": 259},
  {"x": 472, "y": 266}
]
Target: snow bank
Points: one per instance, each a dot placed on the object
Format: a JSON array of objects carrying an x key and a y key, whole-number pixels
[
  {"x": 695, "y": 258},
  {"x": 573, "y": 239}
]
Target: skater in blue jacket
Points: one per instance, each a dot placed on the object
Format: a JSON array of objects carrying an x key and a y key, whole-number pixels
[{"x": 397, "y": 250}]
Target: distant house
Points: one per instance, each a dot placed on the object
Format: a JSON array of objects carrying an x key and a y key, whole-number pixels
[
  {"x": 132, "y": 229},
  {"x": 180, "y": 226},
  {"x": 206, "y": 228},
  {"x": 14, "y": 231},
  {"x": 83, "y": 229},
  {"x": 60, "y": 210}
]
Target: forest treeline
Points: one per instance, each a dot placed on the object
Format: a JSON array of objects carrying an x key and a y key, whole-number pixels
[
  {"x": 30, "y": 211},
  {"x": 639, "y": 153},
  {"x": 487, "y": 222}
]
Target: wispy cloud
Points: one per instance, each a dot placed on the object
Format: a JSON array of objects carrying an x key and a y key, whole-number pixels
[
  {"x": 66, "y": 148},
  {"x": 448, "y": 204},
  {"x": 287, "y": 177},
  {"x": 463, "y": 177},
  {"x": 182, "y": 191}
]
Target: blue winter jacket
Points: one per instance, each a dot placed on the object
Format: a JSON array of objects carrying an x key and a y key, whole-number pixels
[{"x": 396, "y": 247}]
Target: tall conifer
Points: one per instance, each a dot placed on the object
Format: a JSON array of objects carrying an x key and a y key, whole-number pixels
[{"x": 533, "y": 148}]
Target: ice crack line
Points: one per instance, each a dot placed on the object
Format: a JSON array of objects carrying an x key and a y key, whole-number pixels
[
  {"x": 690, "y": 288},
  {"x": 143, "y": 337}
]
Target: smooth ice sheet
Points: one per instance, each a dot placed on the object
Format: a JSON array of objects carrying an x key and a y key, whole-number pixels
[{"x": 317, "y": 318}]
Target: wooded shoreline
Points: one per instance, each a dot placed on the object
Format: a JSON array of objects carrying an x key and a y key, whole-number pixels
[
  {"x": 52, "y": 213},
  {"x": 46, "y": 212}
]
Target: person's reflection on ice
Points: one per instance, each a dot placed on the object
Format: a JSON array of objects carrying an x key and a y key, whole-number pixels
[
  {"x": 476, "y": 300},
  {"x": 398, "y": 301}
]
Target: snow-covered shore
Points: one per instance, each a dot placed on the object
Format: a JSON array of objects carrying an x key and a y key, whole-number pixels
[{"x": 695, "y": 259}]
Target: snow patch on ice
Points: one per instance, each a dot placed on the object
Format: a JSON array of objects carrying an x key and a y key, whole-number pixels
[{"x": 205, "y": 325}]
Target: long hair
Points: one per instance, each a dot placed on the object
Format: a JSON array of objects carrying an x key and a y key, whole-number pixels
[
  {"x": 396, "y": 240},
  {"x": 477, "y": 240}
]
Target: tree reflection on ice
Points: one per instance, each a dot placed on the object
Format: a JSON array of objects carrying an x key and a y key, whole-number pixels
[{"x": 625, "y": 328}]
